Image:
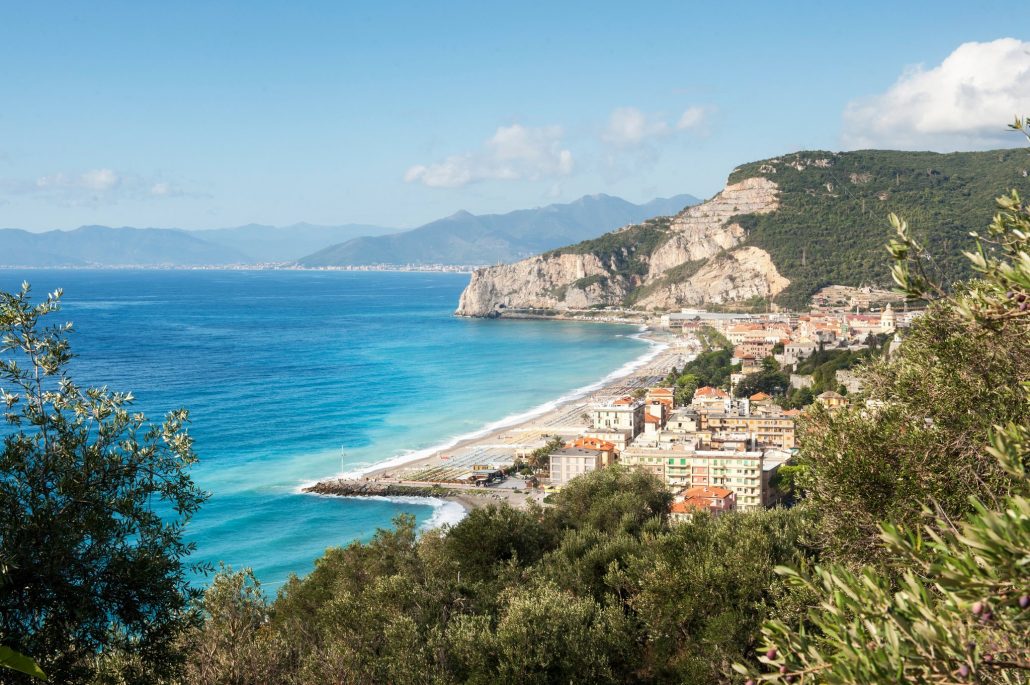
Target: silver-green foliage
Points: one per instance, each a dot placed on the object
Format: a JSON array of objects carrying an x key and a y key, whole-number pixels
[
  {"x": 93, "y": 501},
  {"x": 960, "y": 609}
]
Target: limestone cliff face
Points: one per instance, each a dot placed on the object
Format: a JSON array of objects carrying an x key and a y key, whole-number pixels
[
  {"x": 739, "y": 275},
  {"x": 694, "y": 260},
  {"x": 538, "y": 283},
  {"x": 704, "y": 230}
]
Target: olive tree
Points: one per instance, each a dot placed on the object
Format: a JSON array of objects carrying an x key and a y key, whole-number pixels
[{"x": 93, "y": 503}]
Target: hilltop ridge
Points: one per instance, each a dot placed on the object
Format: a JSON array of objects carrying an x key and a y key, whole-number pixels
[{"x": 780, "y": 230}]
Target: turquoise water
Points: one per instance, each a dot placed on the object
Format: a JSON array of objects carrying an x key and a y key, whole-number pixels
[{"x": 293, "y": 376}]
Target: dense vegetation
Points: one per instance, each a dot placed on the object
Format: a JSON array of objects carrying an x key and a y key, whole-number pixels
[
  {"x": 903, "y": 561},
  {"x": 711, "y": 367},
  {"x": 598, "y": 588},
  {"x": 830, "y": 225},
  {"x": 823, "y": 366},
  {"x": 624, "y": 251},
  {"x": 93, "y": 502},
  {"x": 770, "y": 380}
]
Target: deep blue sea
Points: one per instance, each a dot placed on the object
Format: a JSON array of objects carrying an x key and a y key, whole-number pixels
[{"x": 291, "y": 376}]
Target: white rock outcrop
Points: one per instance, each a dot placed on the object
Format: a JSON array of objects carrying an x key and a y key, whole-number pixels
[
  {"x": 701, "y": 232},
  {"x": 739, "y": 275}
]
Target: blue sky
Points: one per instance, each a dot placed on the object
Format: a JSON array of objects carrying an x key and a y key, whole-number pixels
[{"x": 217, "y": 114}]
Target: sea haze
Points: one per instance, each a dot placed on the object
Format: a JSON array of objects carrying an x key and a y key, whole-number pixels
[{"x": 291, "y": 376}]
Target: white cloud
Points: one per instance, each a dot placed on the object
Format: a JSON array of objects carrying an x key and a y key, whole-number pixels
[
  {"x": 692, "y": 118},
  {"x": 631, "y": 127},
  {"x": 98, "y": 180},
  {"x": 962, "y": 103},
  {"x": 514, "y": 152},
  {"x": 93, "y": 187}
]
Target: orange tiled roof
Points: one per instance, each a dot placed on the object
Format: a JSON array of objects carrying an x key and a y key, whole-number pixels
[
  {"x": 707, "y": 491},
  {"x": 759, "y": 397},
  {"x": 687, "y": 506},
  {"x": 709, "y": 391},
  {"x": 594, "y": 444}
]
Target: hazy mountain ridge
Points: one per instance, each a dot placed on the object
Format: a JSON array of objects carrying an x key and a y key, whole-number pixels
[
  {"x": 465, "y": 238},
  {"x": 105, "y": 246},
  {"x": 262, "y": 243},
  {"x": 484, "y": 238},
  {"x": 781, "y": 229}
]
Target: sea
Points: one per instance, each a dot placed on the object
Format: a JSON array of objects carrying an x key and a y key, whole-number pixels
[{"x": 293, "y": 376}]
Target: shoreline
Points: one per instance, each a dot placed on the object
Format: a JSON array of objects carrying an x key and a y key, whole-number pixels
[{"x": 506, "y": 438}]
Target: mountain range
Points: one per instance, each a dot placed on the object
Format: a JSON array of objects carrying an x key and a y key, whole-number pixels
[
  {"x": 128, "y": 246},
  {"x": 781, "y": 229},
  {"x": 461, "y": 238},
  {"x": 465, "y": 238}
]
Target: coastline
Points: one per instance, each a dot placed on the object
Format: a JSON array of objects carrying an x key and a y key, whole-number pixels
[{"x": 505, "y": 438}]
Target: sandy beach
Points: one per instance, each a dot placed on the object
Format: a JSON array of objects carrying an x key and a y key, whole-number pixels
[{"x": 499, "y": 448}]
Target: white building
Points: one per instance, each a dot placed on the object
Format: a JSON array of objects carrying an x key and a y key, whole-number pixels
[{"x": 569, "y": 462}]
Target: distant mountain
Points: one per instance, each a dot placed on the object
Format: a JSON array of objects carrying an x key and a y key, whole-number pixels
[
  {"x": 262, "y": 244},
  {"x": 104, "y": 246},
  {"x": 465, "y": 238}
]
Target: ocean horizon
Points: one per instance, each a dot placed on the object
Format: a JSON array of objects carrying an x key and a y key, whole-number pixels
[{"x": 295, "y": 376}]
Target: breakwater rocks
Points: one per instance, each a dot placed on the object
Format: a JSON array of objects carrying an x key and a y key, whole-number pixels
[{"x": 369, "y": 488}]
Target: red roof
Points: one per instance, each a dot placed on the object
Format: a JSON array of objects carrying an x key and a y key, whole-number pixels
[
  {"x": 651, "y": 418},
  {"x": 594, "y": 444},
  {"x": 709, "y": 391},
  {"x": 688, "y": 505},
  {"x": 759, "y": 397},
  {"x": 707, "y": 491}
]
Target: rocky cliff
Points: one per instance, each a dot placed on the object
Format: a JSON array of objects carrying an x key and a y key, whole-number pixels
[
  {"x": 782, "y": 229},
  {"x": 692, "y": 258}
]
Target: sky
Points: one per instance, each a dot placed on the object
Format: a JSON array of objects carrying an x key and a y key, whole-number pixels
[{"x": 212, "y": 114}]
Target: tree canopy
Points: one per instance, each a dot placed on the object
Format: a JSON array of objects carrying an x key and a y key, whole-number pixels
[{"x": 93, "y": 501}]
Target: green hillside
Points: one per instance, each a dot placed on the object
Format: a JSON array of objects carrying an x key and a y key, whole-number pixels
[
  {"x": 831, "y": 226},
  {"x": 832, "y": 223}
]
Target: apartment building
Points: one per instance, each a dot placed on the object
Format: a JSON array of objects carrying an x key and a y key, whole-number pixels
[
  {"x": 569, "y": 462},
  {"x": 626, "y": 414}
]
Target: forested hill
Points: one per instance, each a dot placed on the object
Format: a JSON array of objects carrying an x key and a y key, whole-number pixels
[
  {"x": 780, "y": 230},
  {"x": 831, "y": 225}
]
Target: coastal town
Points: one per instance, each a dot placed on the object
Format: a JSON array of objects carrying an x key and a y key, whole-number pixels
[{"x": 718, "y": 446}]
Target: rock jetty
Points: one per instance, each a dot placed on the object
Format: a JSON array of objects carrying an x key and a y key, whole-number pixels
[{"x": 371, "y": 488}]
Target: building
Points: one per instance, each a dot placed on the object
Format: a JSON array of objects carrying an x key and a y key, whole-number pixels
[
  {"x": 796, "y": 350},
  {"x": 708, "y": 398},
  {"x": 681, "y": 467},
  {"x": 766, "y": 429},
  {"x": 691, "y": 500},
  {"x": 664, "y": 396},
  {"x": 684, "y": 420},
  {"x": 609, "y": 454},
  {"x": 617, "y": 438},
  {"x": 888, "y": 322},
  {"x": 569, "y": 462},
  {"x": 832, "y": 400},
  {"x": 625, "y": 414},
  {"x": 652, "y": 459},
  {"x": 774, "y": 459},
  {"x": 754, "y": 349}
]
